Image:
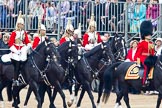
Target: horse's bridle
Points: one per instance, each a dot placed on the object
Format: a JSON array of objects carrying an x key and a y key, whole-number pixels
[{"x": 95, "y": 72}]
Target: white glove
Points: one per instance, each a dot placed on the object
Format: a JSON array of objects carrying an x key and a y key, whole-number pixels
[{"x": 29, "y": 45}]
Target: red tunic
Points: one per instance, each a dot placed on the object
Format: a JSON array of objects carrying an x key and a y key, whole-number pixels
[
  {"x": 65, "y": 38},
  {"x": 62, "y": 40},
  {"x": 13, "y": 37},
  {"x": 37, "y": 40},
  {"x": 86, "y": 36},
  {"x": 130, "y": 55},
  {"x": 144, "y": 49}
]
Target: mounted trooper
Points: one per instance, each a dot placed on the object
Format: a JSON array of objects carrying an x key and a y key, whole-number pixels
[
  {"x": 69, "y": 32},
  {"x": 19, "y": 45},
  {"x": 91, "y": 38},
  {"x": 40, "y": 37},
  {"x": 145, "y": 49}
]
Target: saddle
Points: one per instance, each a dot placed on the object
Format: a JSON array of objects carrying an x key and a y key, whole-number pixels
[{"x": 136, "y": 72}]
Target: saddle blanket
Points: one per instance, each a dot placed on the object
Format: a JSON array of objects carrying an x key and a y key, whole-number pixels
[{"x": 134, "y": 72}]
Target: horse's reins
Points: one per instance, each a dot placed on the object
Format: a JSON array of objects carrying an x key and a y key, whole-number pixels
[
  {"x": 42, "y": 73},
  {"x": 95, "y": 73}
]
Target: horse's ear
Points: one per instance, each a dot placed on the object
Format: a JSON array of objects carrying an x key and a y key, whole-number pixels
[{"x": 47, "y": 41}]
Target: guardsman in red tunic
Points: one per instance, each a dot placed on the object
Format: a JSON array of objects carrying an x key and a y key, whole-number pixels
[
  {"x": 19, "y": 45},
  {"x": 91, "y": 38},
  {"x": 69, "y": 32},
  {"x": 145, "y": 47},
  {"x": 38, "y": 38}
]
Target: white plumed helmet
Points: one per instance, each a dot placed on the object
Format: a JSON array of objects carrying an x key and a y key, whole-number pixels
[
  {"x": 43, "y": 27},
  {"x": 69, "y": 26},
  {"x": 20, "y": 20},
  {"x": 92, "y": 22},
  {"x": 78, "y": 31}
]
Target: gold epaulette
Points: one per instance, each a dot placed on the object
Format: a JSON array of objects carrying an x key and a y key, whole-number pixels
[
  {"x": 151, "y": 46},
  {"x": 138, "y": 61}
]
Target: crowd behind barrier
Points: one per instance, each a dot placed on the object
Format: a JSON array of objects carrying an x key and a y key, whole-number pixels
[{"x": 110, "y": 15}]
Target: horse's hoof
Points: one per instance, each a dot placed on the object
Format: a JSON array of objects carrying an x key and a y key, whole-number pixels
[
  {"x": 69, "y": 104},
  {"x": 98, "y": 105},
  {"x": 120, "y": 106},
  {"x": 116, "y": 105},
  {"x": 25, "y": 106},
  {"x": 2, "y": 104}
]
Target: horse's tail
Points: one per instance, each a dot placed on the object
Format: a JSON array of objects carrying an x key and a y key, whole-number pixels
[
  {"x": 9, "y": 91},
  {"x": 108, "y": 81}
]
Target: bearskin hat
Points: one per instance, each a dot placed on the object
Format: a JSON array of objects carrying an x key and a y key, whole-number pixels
[{"x": 146, "y": 28}]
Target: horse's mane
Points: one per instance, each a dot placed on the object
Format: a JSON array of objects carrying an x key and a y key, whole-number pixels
[
  {"x": 63, "y": 45},
  {"x": 40, "y": 46},
  {"x": 93, "y": 51}
]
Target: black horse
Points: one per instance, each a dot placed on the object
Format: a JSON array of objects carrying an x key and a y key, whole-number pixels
[
  {"x": 69, "y": 56},
  {"x": 155, "y": 83},
  {"x": 85, "y": 70},
  {"x": 118, "y": 46},
  {"x": 119, "y": 51},
  {"x": 32, "y": 70}
]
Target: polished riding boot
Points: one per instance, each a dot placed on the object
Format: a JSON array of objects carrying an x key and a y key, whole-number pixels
[{"x": 16, "y": 65}]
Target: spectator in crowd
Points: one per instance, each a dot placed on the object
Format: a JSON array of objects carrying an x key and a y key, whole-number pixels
[
  {"x": 32, "y": 6},
  {"x": 51, "y": 16},
  {"x": 104, "y": 17},
  {"x": 153, "y": 12},
  {"x": 139, "y": 16},
  {"x": 1, "y": 39},
  {"x": 158, "y": 47},
  {"x": 116, "y": 15},
  {"x": 106, "y": 37},
  {"x": 65, "y": 7},
  {"x": 17, "y": 6},
  {"x": 37, "y": 15},
  {"x": 75, "y": 13},
  {"x": 6, "y": 38},
  {"x": 130, "y": 10},
  {"x": 99, "y": 9},
  {"x": 3, "y": 16},
  {"x": 86, "y": 12},
  {"x": 10, "y": 5},
  {"x": 132, "y": 51},
  {"x": 3, "y": 43}
]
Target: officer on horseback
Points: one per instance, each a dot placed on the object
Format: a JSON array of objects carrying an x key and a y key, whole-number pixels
[
  {"x": 145, "y": 48},
  {"x": 19, "y": 45},
  {"x": 69, "y": 32},
  {"x": 91, "y": 38},
  {"x": 40, "y": 37}
]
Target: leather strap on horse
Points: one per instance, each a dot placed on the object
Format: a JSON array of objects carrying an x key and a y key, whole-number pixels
[
  {"x": 42, "y": 73},
  {"x": 95, "y": 73}
]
